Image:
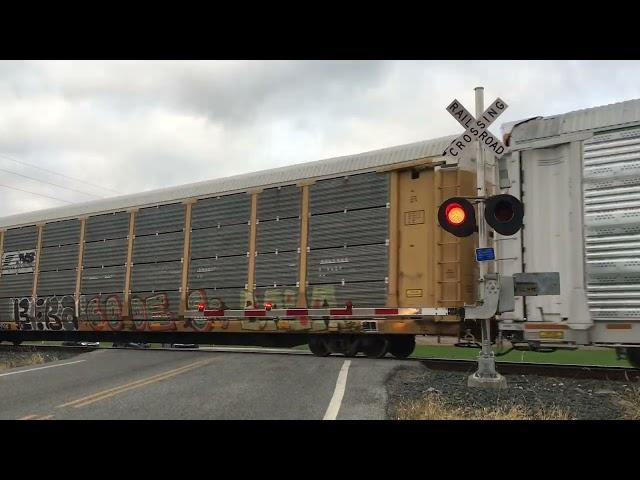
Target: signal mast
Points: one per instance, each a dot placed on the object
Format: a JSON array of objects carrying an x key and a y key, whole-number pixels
[{"x": 503, "y": 213}]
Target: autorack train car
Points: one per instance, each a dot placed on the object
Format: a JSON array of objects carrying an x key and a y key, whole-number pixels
[
  {"x": 355, "y": 232},
  {"x": 578, "y": 175}
]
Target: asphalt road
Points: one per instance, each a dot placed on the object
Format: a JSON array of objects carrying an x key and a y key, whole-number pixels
[{"x": 192, "y": 385}]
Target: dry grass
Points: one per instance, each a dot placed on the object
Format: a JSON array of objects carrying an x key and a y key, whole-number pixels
[
  {"x": 22, "y": 361},
  {"x": 630, "y": 404},
  {"x": 434, "y": 407}
]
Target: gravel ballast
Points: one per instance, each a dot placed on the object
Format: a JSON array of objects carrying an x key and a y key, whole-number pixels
[{"x": 580, "y": 398}]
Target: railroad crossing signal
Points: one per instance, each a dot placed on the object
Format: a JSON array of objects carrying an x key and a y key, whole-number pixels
[
  {"x": 476, "y": 129},
  {"x": 504, "y": 213}
]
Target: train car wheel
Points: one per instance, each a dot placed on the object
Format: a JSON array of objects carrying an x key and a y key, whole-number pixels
[
  {"x": 352, "y": 347},
  {"x": 318, "y": 347},
  {"x": 633, "y": 355},
  {"x": 402, "y": 346},
  {"x": 375, "y": 347}
]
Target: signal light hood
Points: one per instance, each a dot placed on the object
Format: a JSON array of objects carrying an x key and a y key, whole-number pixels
[{"x": 504, "y": 213}]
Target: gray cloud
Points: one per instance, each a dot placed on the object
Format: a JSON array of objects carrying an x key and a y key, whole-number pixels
[{"x": 133, "y": 126}]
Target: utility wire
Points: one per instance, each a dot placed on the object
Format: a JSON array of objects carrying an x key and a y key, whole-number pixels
[
  {"x": 56, "y": 173},
  {"x": 34, "y": 193},
  {"x": 50, "y": 183}
]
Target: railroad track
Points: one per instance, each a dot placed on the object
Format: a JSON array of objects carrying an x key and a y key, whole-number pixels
[{"x": 596, "y": 372}]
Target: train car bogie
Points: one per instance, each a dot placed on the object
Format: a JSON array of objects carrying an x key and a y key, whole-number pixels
[
  {"x": 318, "y": 346},
  {"x": 402, "y": 346},
  {"x": 375, "y": 346}
]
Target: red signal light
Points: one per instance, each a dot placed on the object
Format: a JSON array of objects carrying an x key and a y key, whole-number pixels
[
  {"x": 268, "y": 306},
  {"x": 201, "y": 307},
  {"x": 455, "y": 213},
  {"x": 457, "y": 216}
]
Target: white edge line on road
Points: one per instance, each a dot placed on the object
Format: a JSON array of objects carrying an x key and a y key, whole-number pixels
[
  {"x": 41, "y": 368},
  {"x": 338, "y": 393}
]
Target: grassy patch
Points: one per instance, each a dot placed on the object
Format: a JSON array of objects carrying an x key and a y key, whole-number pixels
[
  {"x": 435, "y": 407},
  {"x": 22, "y": 360},
  {"x": 586, "y": 356},
  {"x": 581, "y": 356}
]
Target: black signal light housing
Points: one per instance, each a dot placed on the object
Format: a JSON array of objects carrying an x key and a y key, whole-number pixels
[
  {"x": 504, "y": 213},
  {"x": 457, "y": 216}
]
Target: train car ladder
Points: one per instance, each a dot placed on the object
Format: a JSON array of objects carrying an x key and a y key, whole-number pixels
[{"x": 445, "y": 188}]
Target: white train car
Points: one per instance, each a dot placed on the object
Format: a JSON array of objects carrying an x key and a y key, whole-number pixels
[{"x": 578, "y": 175}]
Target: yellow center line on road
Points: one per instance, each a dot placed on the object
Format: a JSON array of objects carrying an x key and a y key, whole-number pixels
[
  {"x": 81, "y": 402},
  {"x": 28, "y": 417},
  {"x": 35, "y": 417}
]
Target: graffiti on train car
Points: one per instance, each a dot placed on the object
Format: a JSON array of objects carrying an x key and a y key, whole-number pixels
[
  {"x": 200, "y": 297},
  {"x": 21, "y": 261},
  {"x": 323, "y": 296},
  {"x": 153, "y": 312},
  {"x": 284, "y": 297},
  {"x": 102, "y": 312},
  {"x": 45, "y": 313},
  {"x": 158, "y": 313}
]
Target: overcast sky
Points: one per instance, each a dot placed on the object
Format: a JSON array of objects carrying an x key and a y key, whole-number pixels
[{"x": 132, "y": 126}]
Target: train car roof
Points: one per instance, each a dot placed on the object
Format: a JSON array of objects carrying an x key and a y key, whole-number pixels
[
  {"x": 327, "y": 168},
  {"x": 585, "y": 120}
]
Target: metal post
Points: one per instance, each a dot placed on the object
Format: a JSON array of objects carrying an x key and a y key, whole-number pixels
[
  {"x": 486, "y": 376},
  {"x": 483, "y": 234},
  {"x": 480, "y": 186}
]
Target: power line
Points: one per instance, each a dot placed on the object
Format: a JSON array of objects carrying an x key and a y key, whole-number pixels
[
  {"x": 34, "y": 193},
  {"x": 55, "y": 173},
  {"x": 50, "y": 183}
]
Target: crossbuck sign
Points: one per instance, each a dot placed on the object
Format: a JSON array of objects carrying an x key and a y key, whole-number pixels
[{"x": 476, "y": 129}]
